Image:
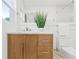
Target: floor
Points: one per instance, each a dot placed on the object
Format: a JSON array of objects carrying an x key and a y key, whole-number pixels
[{"x": 58, "y": 55}]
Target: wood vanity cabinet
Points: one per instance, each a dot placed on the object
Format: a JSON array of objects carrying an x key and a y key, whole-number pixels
[{"x": 30, "y": 46}]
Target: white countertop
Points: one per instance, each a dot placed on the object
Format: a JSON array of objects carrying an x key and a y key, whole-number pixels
[{"x": 29, "y": 32}]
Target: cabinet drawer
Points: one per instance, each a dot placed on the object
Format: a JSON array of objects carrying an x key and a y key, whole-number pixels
[
  {"x": 45, "y": 40},
  {"x": 44, "y": 54},
  {"x": 44, "y": 58},
  {"x": 46, "y": 44},
  {"x": 40, "y": 49}
]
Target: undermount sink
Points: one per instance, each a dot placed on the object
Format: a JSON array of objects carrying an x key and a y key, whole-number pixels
[{"x": 27, "y": 27}]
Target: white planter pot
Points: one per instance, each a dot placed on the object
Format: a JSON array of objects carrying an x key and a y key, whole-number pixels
[{"x": 40, "y": 29}]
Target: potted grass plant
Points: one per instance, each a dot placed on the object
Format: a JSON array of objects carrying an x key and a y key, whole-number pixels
[{"x": 40, "y": 20}]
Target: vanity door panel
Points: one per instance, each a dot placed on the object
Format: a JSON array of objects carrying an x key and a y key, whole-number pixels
[
  {"x": 15, "y": 46},
  {"x": 30, "y": 47}
]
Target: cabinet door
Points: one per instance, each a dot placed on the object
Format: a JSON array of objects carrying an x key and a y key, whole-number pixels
[
  {"x": 15, "y": 46},
  {"x": 45, "y": 46},
  {"x": 30, "y": 47}
]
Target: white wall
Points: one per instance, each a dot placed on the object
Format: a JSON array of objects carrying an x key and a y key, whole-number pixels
[
  {"x": 8, "y": 26},
  {"x": 4, "y": 40},
  {"x": 65, "y": 14},
  {"x": 65, "y": 17},
  {"x": 67, "y": 35}
]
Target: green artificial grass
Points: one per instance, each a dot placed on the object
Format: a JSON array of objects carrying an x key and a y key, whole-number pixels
[{"x": 40, "y": 20}]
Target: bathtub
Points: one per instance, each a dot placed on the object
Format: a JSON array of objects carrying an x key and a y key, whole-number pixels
[{"x": 69, "y": 53}]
